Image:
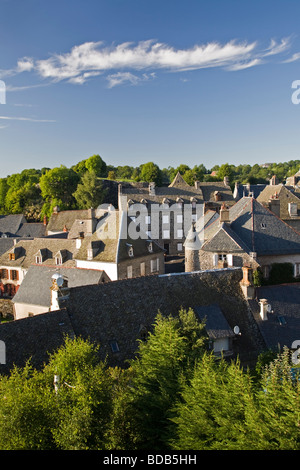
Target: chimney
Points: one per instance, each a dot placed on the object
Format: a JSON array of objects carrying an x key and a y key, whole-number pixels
[
  {"x": 56, "y": 209},
  {"x": 226, "y": 180},
  {"x": 247, "y": 283},
  {"x": 224, "y": 214},
  {"x": 197, "y": 184},
  {"x": 274, "y": 180},
  {"x": 65, "y": 228},
  {"x": 274, "y": 205},
  {"x": 264, "y": 309},
  {"x": 45, "y": 220},
  {"x": 59, "y": 291},
  {"x": 152, "y": 189}
]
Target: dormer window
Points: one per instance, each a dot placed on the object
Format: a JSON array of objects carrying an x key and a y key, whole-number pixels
[
  {"x": 60, "y": 257},
  {"x": 130, "y": 250},
  {"x": 12, "y": 256},
  {"x": 193, "y": 202},
  {"x": 166, "y": 202},
  {"x": 38, "y": 259},
  {"x": 150, "y": 247},
  {"x": 40, "y": 256}
]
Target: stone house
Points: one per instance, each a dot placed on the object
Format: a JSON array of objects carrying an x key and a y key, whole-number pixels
[
  {"x": 166, "y": 213},
  {"x": 15, "y": 262},
  {"x": 36, "y": 294},
  {"x": 283, "y": 203},
  {"x": 117, "y": 315},
  {"x": 120, "y": 249},
  {"x": 246, "y": 234}
]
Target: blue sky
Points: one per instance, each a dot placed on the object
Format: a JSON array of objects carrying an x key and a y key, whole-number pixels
[{"x": 167, "y": 81}]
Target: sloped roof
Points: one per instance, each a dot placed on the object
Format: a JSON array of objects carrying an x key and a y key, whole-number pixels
[
  {"x": 35, "y": 288},
  {"x": 216, "y": 325},
  {"x": 209, "y": 188},
  {"x": 112, "y": 247},
  {"x": 29, "y": 248},
  {"x": 179, "y": 182},
  {"x": 10, "y": 224},
  {"x": 32, "y": 230},
  {"x": 225, "y": 239},
  {"x": 118, "y": 310},
  {"x": 284, "y": 195},
  {"x": 255, "y": 229},
  {"x": 284, "y": 301},
  {"x": 60, "y": 219}
]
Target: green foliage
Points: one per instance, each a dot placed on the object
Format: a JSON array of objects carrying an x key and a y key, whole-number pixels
[
  {"x": 95, "y": 164},
  {"x": 89, "y": 192},
  {"x": 150, "y": 172},
  {"x": 59, "y": 183}
]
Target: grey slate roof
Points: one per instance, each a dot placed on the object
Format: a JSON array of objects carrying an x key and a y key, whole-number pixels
[
  {"x": 32, "y": 230},
  {"x": 118, "y": 310},
  {"x": 285, "y": 302},
  {"x": 10, "y": 224},
  {"x": 248, "y": 190},
  {"x": 30, "y": 247},
  {"x": 257, "y": 229},
  {"x": 216, "y": 325},
  {"x": 35, "y": 288}
]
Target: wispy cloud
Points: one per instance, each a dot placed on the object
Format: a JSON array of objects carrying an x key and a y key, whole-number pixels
[
  {"x": 135, "y": 62},
  {"x": 12, "y": 118}
]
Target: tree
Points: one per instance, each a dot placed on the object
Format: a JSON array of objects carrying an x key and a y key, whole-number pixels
[
  {"x": 155, "y": 378},
  {"x": 89, "y": 192},
  {"x": 59, "y": 183},
  {"x": 95, "y": 164},
  {"x": 150, "y": 172}
]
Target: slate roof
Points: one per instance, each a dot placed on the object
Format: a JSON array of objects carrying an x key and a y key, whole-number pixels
[
  {"x": 114, "y": 248},
  {"x": 285, "y": 302},
  {"x": 256, "y": 229},
  {"x": 248, "y": 190},
  {"x": 31, "y": 230},
  {"x": 35, "y": 288},
  {"x": 216, "y": 325},
  {"x": 119, "y": 310},
  {"x": 284, "y": 195},
  {"x": 28, "y": 248},
  {"x": 60, "y": 219},
  {"x": 209, "y": 188},
  {"x": 177, "y": 188},
  {"x": 10, "y": 224}
]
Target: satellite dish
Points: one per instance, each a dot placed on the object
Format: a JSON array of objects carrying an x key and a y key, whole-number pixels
[
  {"x": 59, "y": 281},
  {"x": 236, "y": 330}
]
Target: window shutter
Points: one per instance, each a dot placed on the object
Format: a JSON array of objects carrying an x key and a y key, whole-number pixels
[
  {"x": 215, "y": 260},
  {"x": 230, "y": 260}
]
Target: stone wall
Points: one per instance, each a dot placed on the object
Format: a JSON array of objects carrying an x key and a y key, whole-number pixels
[{"x": 6, "y": 309}]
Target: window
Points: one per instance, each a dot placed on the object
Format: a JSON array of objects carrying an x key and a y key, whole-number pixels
[
  {"x": 179, "y": 219},
  {"x": 155, "y": 265},
  {"x": 165, "y": 219},
  {"x": 194, "y": 217},
  {"x": 14, "y": 275},
  {"x": 114, "y": 346},
  {"x": 166, "y": 233},
  {"x": 143, "y": 268},
  {"x": 297, "y": 269},
  {"x": 11, "y": 256},
  {"x": 58, "y": 260},
  {"x": 263, "y": 225},
  {"x": 281, "y": 319},
  {"x": 38, "y": 260},
  {"x": 129, "y": 272},
  {"x": 3, "y": 273},
  {"x": 147, "y": 219},
  {"x": 150, "y": 247},
  {"x": 179, "y": 233},
  {"x": 222, "y": 257},
  {"x": 179, "y": 246}
]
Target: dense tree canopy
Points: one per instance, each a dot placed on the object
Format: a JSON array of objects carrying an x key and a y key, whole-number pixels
[
  {"x": 175, "y": 395},
  {"x": 35, "y": 192}
]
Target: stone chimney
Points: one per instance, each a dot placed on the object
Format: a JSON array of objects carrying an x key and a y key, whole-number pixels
[
  {"x": 264, "y": 309},
  {"x": 59, "y": 292},
  {"x": 224, "y": 214},
  {"x": 274, "y": 180},
  {"x": 247, "y": 283},
  {"x": 152, "y": 189},
  {"x": 274, "y": 205},
  {"x": 226, "y": 180},
  {"x": 45, "y": 220},
  {"x": 197, "y": 184}
]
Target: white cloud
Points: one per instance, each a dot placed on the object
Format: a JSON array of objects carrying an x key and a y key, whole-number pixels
[
  {"x": 124, "y": 62},
  {"x": 10, "y": 118}
]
